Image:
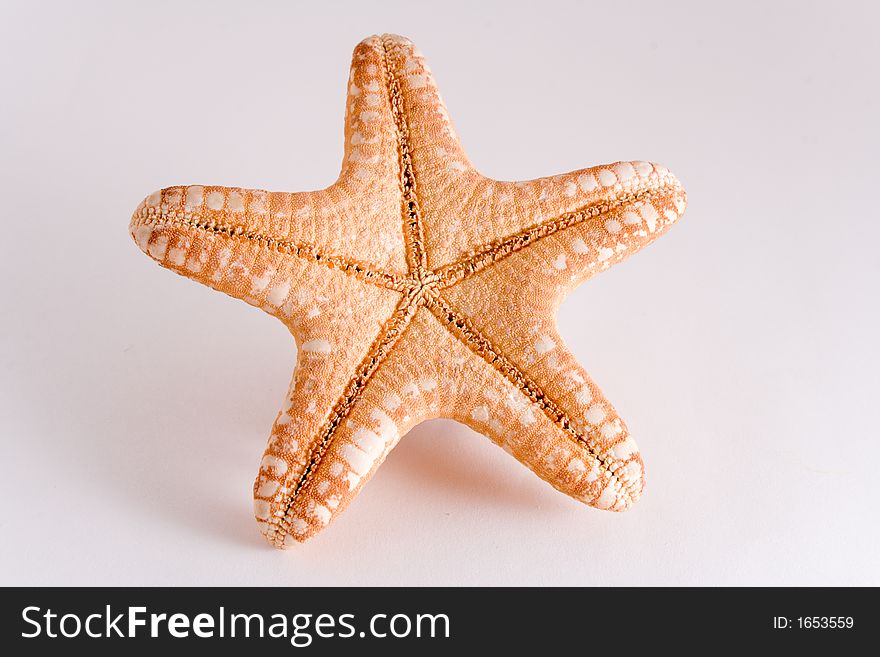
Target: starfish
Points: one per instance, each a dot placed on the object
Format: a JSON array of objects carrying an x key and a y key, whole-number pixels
[{"x": 417, "y": 288}]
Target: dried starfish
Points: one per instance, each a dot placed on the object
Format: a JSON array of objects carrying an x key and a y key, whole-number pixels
[{"x": 417, "y": 288}]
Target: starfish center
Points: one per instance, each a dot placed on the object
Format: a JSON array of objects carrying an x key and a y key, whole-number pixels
[{"x": 421, "y": 283}]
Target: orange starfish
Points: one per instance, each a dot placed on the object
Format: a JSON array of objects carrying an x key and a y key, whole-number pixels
[{"x": 417, "y": 288}]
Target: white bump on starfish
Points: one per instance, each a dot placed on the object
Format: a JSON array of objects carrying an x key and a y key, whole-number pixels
[
  {"x": 612, "y": 226},
  {"x": 633, "y": 471},
  {"x": 392, "y": 402},
  {"x": 261, "y": 509},
  {"x": 624, "y": 171},
  {"x": 480, "y": 414},
  {"x": 268, "y": 488},
  {"x": 259, "y": 283},
  {"x": 356, "y": 155},
  {"x": 570, "y": 189},
  {"x": 549, "y": 459},
  {"x": 317, "y": 346},
  {"x": 607, "y": 178},
  {"x": 576, "y": 466},
  {"x": 238, "y": 267},
  {"x": 215, "y": 200},
  {"x": 194, "y": 197},
  {"x": 195, "y": 264},
  {"x": 584, "y": 395},
  {"x": 359, "y": 461},
  {"x": 610, "y": 429},
  {"x": 587, "y": 182},
  {"x": 298, "y": 526},
  {"x": 630, "y": 218},
  {"x": 579, "y": 246},
  {"x": 644, "y": 169},
  {"x": 609, "y": 495},
  {"x": 521, "y": 406},
  {"x": 258, "y": 202},
  {"x": 560, "y": 262},
  {"x": 649, "y": 213},
  {"x": 335, "y": 468},
  {"x": 624, "y": 449},
  {"x": 595, "y": 414},
  {"x": 274, "y": 464},
  {"x": 177, "y": 256},
  {"x": 235, "y": 202},
  {"x": 222, "y": 262},
  {"x": 158, "y": 247},
  {"x": 142, "y": 236},
  {"x": 368, "y": 441},
  {"x": 544, "y": 343},
  {"x": 386, "y": 428},
  {"x": 605, "y": 253}
]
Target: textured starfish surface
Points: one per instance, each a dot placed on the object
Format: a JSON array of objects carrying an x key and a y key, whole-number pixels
[{"x": 417, "y": 288}]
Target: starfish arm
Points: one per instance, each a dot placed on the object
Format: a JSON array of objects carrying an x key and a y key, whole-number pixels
[
  {"x": 397, "y": 131},
  {"x": 333, "y": 367},
  {"x": 544, "y": 408},
  {"x": 238, "y": 241},
  {"x": 433, "y": 166},
  {"x": 430, "y": 132},
  {"x": 447, "y": 190},
  {"x": 333, "y": 433},
  {"x": 373, "y": 172},
  {"x": 576, "y": 235}
]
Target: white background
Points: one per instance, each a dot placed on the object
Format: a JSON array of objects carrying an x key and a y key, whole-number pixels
[{"x": 741, "y": 348}]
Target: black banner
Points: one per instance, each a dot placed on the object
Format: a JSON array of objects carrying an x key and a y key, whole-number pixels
[{"x": 435, "y": 620}]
